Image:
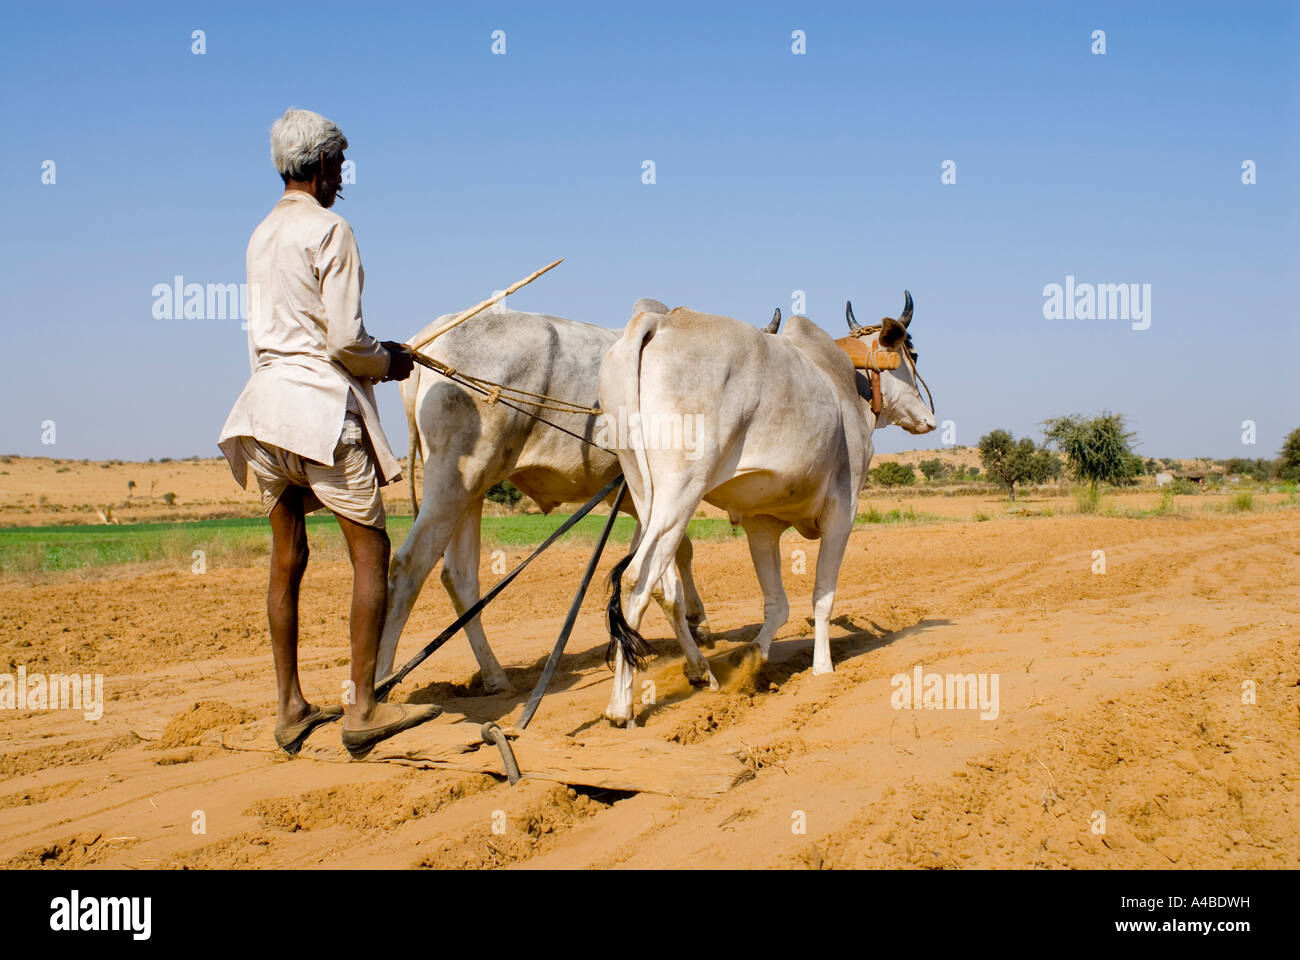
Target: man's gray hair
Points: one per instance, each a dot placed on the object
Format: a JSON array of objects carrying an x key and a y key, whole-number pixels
[{"x": 299, "y": 138}]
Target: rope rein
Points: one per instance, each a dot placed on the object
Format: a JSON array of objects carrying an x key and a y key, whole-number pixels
[
  {"x": 495, "y": 391},
  {"x": 909, "y": 353},
  {"x": 491, "y": 393}
]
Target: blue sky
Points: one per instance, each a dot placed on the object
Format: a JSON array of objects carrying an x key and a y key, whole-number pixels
[{"x": 774, "y": 173}]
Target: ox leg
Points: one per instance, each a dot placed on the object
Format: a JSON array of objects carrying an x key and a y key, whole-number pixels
[
  {"x": 835, "y": 537},
  {"x": 410, "y": 567},
  {"x": 654, "y": 555},
  {"x": 460, "y": 578},
  {"x": 672, "y": 597},
  {"x": 764, "y": 535},
  {"x": 695, "y": 618}
]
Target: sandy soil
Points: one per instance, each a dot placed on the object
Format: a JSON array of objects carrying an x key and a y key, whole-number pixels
[{"x": 1121, "y": 695}]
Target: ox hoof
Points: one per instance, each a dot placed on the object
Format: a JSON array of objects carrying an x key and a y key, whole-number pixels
[
  {"x": 705, "y": 679},
  {"x": 702, "y": 634},
  {"x": 494, "y": 686},
  {"x": 617, "y": 719}
]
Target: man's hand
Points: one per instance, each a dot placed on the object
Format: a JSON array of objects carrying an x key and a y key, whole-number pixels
[{"x": 400, "y": 362}]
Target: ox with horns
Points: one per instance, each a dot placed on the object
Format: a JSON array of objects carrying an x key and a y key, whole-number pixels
[
  {"x": 468, "y": 446},
  {"x": 787, "y": 424}
]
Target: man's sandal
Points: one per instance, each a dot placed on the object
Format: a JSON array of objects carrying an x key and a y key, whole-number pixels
[
  {"x": 290, "y": 737},
  {"x": 359, "y": 743}
]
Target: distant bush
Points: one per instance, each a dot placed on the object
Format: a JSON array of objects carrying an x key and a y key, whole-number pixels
[
  {"x": 504, "y": 492},
  {"x": 1097, "y": 449},
  {"x": 893, "y": 475},
  {"x": 1244, "y": 502},
  {"x": 1289, "y": 458},
  {"x": 1010, "y": 462},
  {"x": 169, "y": 499},
  {"x": 1088, "y": 498},
  {"x": 934, "y": 469}
]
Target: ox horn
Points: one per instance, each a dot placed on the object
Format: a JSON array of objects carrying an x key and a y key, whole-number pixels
[
  {"x": 775, "y": 325},
  {"x": 848, "y": 315},
  {"x": 906, "y": 316}
]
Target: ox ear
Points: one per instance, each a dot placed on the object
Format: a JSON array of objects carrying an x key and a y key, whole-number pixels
[
  {"x": 775, "y": 325},
  {"x": 892, "y": 333}
]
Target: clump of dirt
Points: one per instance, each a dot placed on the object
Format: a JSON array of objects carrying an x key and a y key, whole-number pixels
[
  {"x": 706, "y": 721},
  {"x": 381, "y": 806},
  {"x": 774, "y": 753},
  {"x": 39, "y": 794},
  {"x": 524, "y": 835},
  {"x": 740, "y": 671},
  {"x": 179, "y": 756},
  {"x": 80, "y": 850},
  {"x": 240, "y": 851},
  {"x": 64, "y": 755},
  {"x": 187, "y": 728}
]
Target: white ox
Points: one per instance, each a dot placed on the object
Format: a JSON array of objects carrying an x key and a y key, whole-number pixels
[
  {"x": 470, "y": 445},
  {"x": 787, "y": 424}
]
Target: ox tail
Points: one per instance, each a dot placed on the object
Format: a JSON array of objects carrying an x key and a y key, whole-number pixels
[
  {"x": 413, "y": 451},
  {"x": 640, "y": 332},
  {"x": 622, "y": 638}
]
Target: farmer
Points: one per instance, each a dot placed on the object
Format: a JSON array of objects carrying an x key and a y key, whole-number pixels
[{"x": 307, "y": 427}]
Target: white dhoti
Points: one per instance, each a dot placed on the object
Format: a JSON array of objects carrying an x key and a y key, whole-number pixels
[{"x": 349, "y": 486}]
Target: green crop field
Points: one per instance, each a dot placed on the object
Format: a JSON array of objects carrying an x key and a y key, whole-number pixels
[{"x": 42, "y": 549}]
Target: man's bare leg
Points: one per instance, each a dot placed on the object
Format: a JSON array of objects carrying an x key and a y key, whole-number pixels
[
  {"x": 368, "y": 548},
  {"x": 288, "y": 564}
]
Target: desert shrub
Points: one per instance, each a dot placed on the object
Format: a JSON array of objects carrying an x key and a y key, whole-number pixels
[
  {"x": 1088, "y": 498},
  {"x": 1288, "y": 467},
  {"x": 934, "y": 468},
  {"x": 893, "y": 475},
  {"x": 1009, "y": 462},
  {"x": 504, "y": 492},
  {"x": 1097, "y": 449}
]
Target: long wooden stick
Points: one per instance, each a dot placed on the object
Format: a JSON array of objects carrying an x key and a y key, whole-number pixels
[{"x": 423, "y": 340}]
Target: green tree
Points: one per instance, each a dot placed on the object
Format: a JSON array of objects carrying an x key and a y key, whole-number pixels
[
  {"x": 1289, "y": 458},
  {"x": 1097, "y": 449},
  {"x": 503, "y": 491},
  {"x": 1007, "y": 461},
  {"x": 1045, "y": 466},
  {"x": 934, "y": 469},
  {"x": 893, "y": 475}
]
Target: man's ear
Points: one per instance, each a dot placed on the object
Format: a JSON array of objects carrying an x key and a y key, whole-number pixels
[{"x": 892, "y": 333}]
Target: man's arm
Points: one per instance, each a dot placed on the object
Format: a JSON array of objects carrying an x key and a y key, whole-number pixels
[{"x": 338, "y": 263}]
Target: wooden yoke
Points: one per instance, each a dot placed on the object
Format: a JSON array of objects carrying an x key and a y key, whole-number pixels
[
  {"x": 872, "y": 358},
  {"x": 869, "y": 356}
]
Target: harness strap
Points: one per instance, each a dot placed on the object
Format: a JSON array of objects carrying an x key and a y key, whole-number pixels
[
  {"x": 553, "y": 661},
  {"x": 383, "y": 688},
  {"x": 475, "y": 384}
]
